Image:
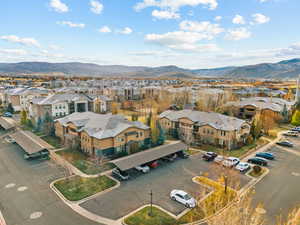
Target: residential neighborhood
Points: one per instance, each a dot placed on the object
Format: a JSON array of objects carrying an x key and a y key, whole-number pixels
[{"x": 150, "y": 112}]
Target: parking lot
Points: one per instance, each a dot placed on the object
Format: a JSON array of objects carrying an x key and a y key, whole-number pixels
[
  {"x": 279, "y": 190},
  {"x": 25, "y": 195},
  {"x": 135, "y": 192}
]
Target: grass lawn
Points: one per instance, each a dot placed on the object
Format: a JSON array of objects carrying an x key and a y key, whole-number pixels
[
  {"x": 213, "y": 203},
  {"x": 77, "y": 188},
  {"x": 235, "y": 152},
  {"x": 192, "y": 152},
  {"x": 256, "y": 175},
  {"x": 79, "y": 160},
  {"x": 158, "y": 218},
  {"x": 52, "y": 140}
]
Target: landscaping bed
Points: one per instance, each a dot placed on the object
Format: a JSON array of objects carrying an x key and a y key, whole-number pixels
[
  {"x": 252, "y": 173},
  {"x": 76, "y": 188},
  {"x": 81, "y": 162},
  {"x": 158, "y": 217},
  {"x": 213, "y": 203}
]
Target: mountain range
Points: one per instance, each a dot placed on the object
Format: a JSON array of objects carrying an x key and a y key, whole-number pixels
[{"x": 281, "y": 70}]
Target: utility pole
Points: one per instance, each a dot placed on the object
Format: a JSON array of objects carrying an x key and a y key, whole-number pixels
[{"x": 151, "y": 196}]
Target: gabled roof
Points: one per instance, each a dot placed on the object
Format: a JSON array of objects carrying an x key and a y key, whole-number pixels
[
  {"x": 216, "y": 120},
  {"x": 100, "y": 126},
  {"x": 66, "y": 97}
]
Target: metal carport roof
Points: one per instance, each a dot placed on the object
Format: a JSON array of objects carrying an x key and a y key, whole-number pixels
[
  {"x": 143, "y": 157},
  {"x": 7, "y": 123},
  {"x": 30, "y": 142}
]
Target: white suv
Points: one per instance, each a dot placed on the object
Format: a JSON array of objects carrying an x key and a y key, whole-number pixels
[{"x": 231, "y": 162}]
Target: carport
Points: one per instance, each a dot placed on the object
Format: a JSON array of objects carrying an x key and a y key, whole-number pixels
[
  {"x": 131, "y": 161},
  {"x": 33, "y": 145},
  {"x": 7, "y": 123}
]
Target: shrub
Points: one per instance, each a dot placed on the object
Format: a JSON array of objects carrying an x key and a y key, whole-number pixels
[{"x": 257, "y": 169}]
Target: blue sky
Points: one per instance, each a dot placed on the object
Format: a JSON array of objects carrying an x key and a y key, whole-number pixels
[{"x": 186, "y": 33}]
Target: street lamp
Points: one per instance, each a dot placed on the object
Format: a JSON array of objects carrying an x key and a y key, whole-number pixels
[{"x": 151, "y": 195}]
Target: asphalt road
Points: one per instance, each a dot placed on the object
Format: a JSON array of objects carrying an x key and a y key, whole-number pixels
[
  {"x": 134, "y": 193},
  {"x": 25, "y": 196},
  {"x": 279, "y": 191}
]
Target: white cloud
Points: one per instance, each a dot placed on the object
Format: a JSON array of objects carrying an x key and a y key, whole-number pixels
[
  {"x": 175, "y": 5},
  {"x": 238, "y": 34},
  {"x": 238, "y": 19},
  {"x": 24, "y": 41},
  {"x": 96, "y": 7},
  {"x": 126, "y": 30},
  {"x": 105, "y": 29},
  {"x": 260, "y": 18},
  {"x": 165, "y": 14},
  {"x": 181, "y": 40},
  {"x": 262, "y": 1},
  {"x": 13, "y": 51},
  {"x": 55, "y": 47},
  {"x": 71, "y": 24},
  {"x": 218, "y": 18},
  {"x": 59, "y": 6},
  {"x": 206, "y": 28}
]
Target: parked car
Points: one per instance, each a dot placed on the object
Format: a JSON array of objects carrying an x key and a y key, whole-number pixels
[
  {"x": 183, "y": 155},
  {"x": 265, "y": 155},
  {"x": 10, "y": 139},
  {"x": 7, "y": 114},
  {"x": 153, "y": 164},
  {"x": 243, "y": 167},
  {"x": 169, "y": 158},
  {"x": 219, "y": 159},
  {"x": 291, "y": 133},
  {"x": 143, "y": 168},
  {"x": 123, "y": 175},
  {"x": 231, "y": 162},
  {"x": 258, "y": 161},
  {"x": 209, "y": 156},
  {"x": 297, "y": 129},
  {"x": 183, "y": 198},
  {"x": 285, "y": 143}
]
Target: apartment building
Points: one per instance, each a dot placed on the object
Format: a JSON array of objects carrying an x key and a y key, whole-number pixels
[
  {"x": 195, "y": 127},
  {"x": 103, "y": 134},
  {"x": 58, "y": 105}
]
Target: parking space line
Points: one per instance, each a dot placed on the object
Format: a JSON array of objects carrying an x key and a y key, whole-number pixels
[{"x": 289, "y": 150}]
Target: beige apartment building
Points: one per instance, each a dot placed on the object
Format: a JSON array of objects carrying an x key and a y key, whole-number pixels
[
  {"x": 195, "y": 127},
  {"x": 103, "y": 134}
]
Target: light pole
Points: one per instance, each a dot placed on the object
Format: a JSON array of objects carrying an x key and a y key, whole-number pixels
[{"x": 151, "y": 195}]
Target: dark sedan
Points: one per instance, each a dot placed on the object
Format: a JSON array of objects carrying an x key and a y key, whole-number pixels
[
  {"x": 265, "y": 155},
  {"x": 258, "y": 161},
  {"x": 209, "y": 156}
]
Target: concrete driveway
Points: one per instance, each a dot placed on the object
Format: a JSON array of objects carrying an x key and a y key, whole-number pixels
[
  {"x": 134, "y": 193},
  {"x": 25, "y": 195},
  {"x": 279, "y": 191}
]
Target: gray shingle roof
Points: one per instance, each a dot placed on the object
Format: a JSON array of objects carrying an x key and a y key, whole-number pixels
[
  {"x": 7, "y": 123},
  {"x": 216, "y": 120},
  {"x": 66, "y": 97},
  {"x": 100, "y": 125}
]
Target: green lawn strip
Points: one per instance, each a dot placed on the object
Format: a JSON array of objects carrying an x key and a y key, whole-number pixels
[
  {"x": 158, "y": 217},
  {"x": 235, "y": 152},
  {"x": 77, "y": 188},
  {"x": 54, "y": 141},
  {"x": 79, "y": 160}
]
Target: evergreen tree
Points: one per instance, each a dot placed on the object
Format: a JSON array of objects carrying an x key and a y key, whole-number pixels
[
  {"x": 285, "y": 114},
  {"x": 256, "y": 127},
  {"x": 29, "y": 123},
  {"x": 10, "y": 108},
  {"x": 161, "y": 136}
]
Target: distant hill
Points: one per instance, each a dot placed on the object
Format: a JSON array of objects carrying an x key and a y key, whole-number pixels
[{"x": 281, "y": 70}]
